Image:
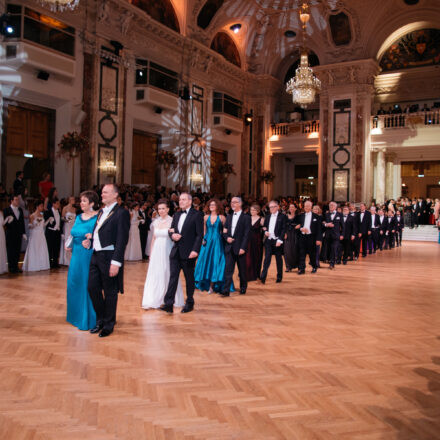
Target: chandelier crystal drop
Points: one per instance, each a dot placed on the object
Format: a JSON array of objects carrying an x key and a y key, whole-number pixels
[
  {"x": 304, "y": 85},
  {"x": 60, "y": 5}
]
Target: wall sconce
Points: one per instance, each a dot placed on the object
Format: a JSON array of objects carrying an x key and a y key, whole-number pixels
[{"x": 248, "y": 118}]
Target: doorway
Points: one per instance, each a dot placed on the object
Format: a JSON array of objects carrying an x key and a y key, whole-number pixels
[
  {"x": 143, "y": 162},
  {"x": 218, "y": 183}
]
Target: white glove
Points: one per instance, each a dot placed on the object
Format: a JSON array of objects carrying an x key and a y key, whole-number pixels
[
  {"x": 9, "y": 219},
  {"x": 142, "y": 221},
  {"x": 62, "y": 235},
  {"x": 24, "y": 237}
]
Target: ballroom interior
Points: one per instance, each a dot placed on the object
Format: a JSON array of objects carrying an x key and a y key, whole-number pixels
[
  {"x": 349, "y": 354},
  {"x": 206, "y": 80}
]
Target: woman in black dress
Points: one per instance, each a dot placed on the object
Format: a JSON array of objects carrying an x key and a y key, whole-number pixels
[
  {"x": 254, "y": 252},
  {"x": 291, "y": 255}
]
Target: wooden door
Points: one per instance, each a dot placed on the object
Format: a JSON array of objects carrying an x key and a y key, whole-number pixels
[
  {"x": 27, "y": 132},
  {"x": 143, "y": 164},
  {"x": 218, "y": 185}
]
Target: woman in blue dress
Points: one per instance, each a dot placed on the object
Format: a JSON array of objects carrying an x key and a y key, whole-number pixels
[
  {"x": 209, "y": 273},
  {"x": 80, "y": 310}
]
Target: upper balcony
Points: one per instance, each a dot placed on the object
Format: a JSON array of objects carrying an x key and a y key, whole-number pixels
[
  {"x": 294, "y": 137},
  {"x": 406, "y": 130}
]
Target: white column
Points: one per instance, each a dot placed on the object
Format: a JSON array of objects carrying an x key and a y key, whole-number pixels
[
  {"x": 380, "y": 183},
  {"x": 389, "y": 180}
]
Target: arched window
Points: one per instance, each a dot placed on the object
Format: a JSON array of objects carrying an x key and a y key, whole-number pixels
[
  {"x": 224, "y": 45},
  {"x": 207, "y": 13},
  {"x": 161, "y": 11},
  {"x": 416, "y": 49},
  {"x": 313, "y": 61}
]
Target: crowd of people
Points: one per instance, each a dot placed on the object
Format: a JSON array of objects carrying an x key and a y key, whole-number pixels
[{"x": 204, "y": 236}]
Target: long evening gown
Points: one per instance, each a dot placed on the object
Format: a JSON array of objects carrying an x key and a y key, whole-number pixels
[
  {"x": 254, "y": 252},
  {"x": 210, "y": 266},
  {"x": 80, "y": 310},
  {"x": 291, "y": 255},
  {"x": 158, "y": 275},
  {"x": 133, "y": 251},
  {"x": 37, "y": 255},
  {"x": 68, "y": 225}
]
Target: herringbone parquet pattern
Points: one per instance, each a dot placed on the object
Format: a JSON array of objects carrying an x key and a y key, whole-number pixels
[{"x": 349, "y": 354}]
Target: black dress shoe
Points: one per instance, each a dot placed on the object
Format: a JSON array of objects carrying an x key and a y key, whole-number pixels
[
  {"x": 224, "y": 294},
  {"x": 165, "y": 308},
  {"x": 96, "y": 329},
  {"x": 331, "y": 267},
  {"x": 301, "y": 272},
  {"x": 263, "y": 280},
  {"x": 288, "y": 270},
  {"x": 187, "y": 309},
  {"x": 242, "y": 291},
  {"x": 279, "y": 280},
  {"x": 314, "y": 270},
  {"x": 105, "y": 332},
  {"x": 344, "y": 262}
]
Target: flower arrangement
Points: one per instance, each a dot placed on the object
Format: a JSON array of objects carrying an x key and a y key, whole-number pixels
[
  {"x": 226, "y": 169},
  {"x": 72, "y": 144},
  {"x": 267, "y": 176},
  {"x": 167, "y": 159}
]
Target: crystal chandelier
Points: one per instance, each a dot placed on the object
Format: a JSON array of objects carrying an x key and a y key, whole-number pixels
[
  {"x": 60, "y": 5},
  {"x": 304, "y": 85}
]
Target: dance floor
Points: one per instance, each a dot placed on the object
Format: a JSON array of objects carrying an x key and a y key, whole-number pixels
[{"x": 352, "y": 353}]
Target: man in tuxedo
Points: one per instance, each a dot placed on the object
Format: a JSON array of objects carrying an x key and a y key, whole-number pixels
[
  {"x": 416, "y": 213},
  {"x": 187, "y": 234},
  {"x": 19, "y": 188},
  {"x": 334, "y": 231},
  {"x": 52, "y": 217},
  {"x": 109, "y": 240},
  {"x": 236, "y": 234},
  {"x": 310, "y": 236},
  {"x": 390, "y": 230},
  {"x": 355, "y": 244},
  {"x": 349, "y": 235},
  {"x": 274, "y": 229},
  {"x": 382, "y": 228},
  {"x": 144, "y": 227},
  {"x": 399, "y": 228},
  {"x": 364, "y": 228},
  {"x": 15, "y": 232},
  {"x": 373, "y": 239}
]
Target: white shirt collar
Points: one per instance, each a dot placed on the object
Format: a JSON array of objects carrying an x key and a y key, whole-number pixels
[
  {"x": 237, "y": 213},
  {"x": 109, "y": 208},
  {"x": 274, "y": 215}
]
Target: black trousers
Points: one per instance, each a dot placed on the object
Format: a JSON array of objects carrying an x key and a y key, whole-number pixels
[
  {"x": 176, "y": 265},
  {"x": 374, "y": 240},
  {"x": 398, "y": 237},
  {"x": 381, "y": 239},
  {"x": 333, "y": 244},
  {"x": 364, "y": 241},
  {"x": 231, "y": 260},
  {"x": 347, "y": 246},
  {"x": 143, "y": 234},
  {"x": 307, "y": 246},
  {"x": 103, "y": 289},
  {"x": 13, "y": 249},
  {"x": 53, "y": 239},
  {"x": 389, "y": 240},
  {"x": 270, "y": 248}
]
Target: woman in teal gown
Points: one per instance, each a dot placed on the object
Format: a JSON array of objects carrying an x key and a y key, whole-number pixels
[
  {"x": 80, "y": 310},
  {"x": 209, "y": 273}
]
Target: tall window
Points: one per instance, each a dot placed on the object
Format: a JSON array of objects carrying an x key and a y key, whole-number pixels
[
  {"x": 227, "y": 104},
  {"x": 156, "y": 75}
]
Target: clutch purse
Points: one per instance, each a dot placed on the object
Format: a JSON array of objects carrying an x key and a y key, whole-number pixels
[{"x": 68, "y": 242}]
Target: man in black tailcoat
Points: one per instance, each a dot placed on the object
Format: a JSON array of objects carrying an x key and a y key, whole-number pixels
[
  {"x": 109, "y": 240},
  {"x": 374, "y": 237},
  {"x": 390, "y": 230},
  {"x": 144, "y": 227},
  {"x": 274, "y": 229},
  {"x": 187, "y": 234},
  {"x": 364, "y": 228},
  {"x": 15, "y": 232},
  {"x": 350, "y": 232},
  {"x": 236, "y": 234},
  {"x": 334, "y": 231},
  {"x": 54, "y": 227}
]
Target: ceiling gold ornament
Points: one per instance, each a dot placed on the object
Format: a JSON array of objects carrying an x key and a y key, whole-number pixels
[{"x": 60, "y": 5}]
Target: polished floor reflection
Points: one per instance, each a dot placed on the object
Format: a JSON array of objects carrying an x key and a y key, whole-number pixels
[{"x": 352, "y": 353}]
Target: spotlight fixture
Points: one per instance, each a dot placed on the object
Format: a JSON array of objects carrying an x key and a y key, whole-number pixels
[
  {"x": 248, "y": 118},
  {"x": 158, "y": 110},
  {"x": 235, "y": 28},
  {"x": 42, "y": 74},
  {"x": 290, "y": 34},
  {"x": 8, "y": 26},
  {"x": 227, "y": 131}
]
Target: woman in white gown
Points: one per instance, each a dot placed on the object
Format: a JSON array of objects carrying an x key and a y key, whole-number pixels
[
  {"x": 3, "y": 255},
  {"x": 158, "y": 273},
  {"x": 37, "y": 255},
  {"x": 133, "y": 251},
  {"x": 68, "y": 216}
]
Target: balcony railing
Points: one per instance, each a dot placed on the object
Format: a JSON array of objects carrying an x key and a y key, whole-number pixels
[
  {"x": 289, "y": 128},
  {"x": 405, "y": 120}
]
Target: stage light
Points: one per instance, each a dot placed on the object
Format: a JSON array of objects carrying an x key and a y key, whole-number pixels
[{"x": 235, "y": 28}]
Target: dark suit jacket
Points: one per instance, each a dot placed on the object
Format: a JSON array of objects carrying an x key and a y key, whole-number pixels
[
  {"x": 280, "y": 225},
  {"x": 47, "y": 215},
  {"x": 338, "y": 228},
  {"x": 376, "y": 221},
  {"x": 114, "y": 231},
  {"x": 241, "y": 233},
  {"x": 192, "y": 234},
  {"x": 399, "y": 223},
  {"x": 315, "y": 225},
  {"x": 16, "y": 227},
  {"x": 349, "y": 227},
  {"x": 363, "y": 226},
  {"x": 383, "y": 225},
  {"x": 390, "y": 225},
  {"x": 144, "y": 227}
]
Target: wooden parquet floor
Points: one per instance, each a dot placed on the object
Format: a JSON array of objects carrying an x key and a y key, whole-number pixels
[{"x": 352, "y": 353}]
